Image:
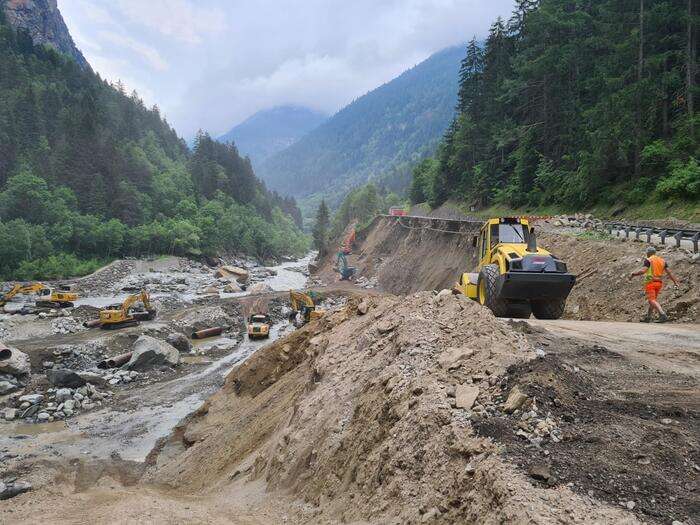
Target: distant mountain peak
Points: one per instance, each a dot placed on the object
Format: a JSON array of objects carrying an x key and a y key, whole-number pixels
[
  {"x": 44, "y": 23},
  {"x": 269, "y": 131},
  {"x": 382, "y": 132}
]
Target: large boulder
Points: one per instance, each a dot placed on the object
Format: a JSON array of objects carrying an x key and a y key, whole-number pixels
[
  {"x": 148, "y": 352},
  {"x": 8, "y": 384},
  {"x": 64, "y": 378},
  {"x": 179, "y": 341},
  {"x": 258, "y": 288},
  {"x": 13, "y": 362},
  {"x": 234, "y": 272},
  {"x": 232, "y": 287}
]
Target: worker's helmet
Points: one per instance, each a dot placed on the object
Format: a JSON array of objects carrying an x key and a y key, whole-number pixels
[{"x": 651, "y": 251}]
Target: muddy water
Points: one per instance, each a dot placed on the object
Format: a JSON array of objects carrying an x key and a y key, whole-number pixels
[{"x": 132, "y": 424}]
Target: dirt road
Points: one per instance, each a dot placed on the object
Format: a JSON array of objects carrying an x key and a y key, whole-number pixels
[{"x": 665, "y": 347}]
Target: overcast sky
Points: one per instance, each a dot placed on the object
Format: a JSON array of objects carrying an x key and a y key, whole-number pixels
[{"x": 212, "y": 63}]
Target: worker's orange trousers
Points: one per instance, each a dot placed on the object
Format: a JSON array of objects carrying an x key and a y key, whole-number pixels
[{"x": 653, "y": 289}]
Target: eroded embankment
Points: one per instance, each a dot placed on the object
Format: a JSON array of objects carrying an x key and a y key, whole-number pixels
[
  {"x": 367, "y": 415},
  {"x": 407, "y": 259}
]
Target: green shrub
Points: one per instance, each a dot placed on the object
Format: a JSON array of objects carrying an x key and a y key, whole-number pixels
[{"x": 683, "y": 181}]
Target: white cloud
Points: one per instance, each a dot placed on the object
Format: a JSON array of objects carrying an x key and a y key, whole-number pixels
[
  {"x": 147, "y": 53},
  {"x": 212, "y": 63},
  {"x": 183, "y": 20}
]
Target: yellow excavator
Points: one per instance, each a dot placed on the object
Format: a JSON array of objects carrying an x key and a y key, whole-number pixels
[
  {"x": 514, "y": 277},
  {"x": 303, "y": 308},
  {"x": 47, "y": 297},
  {"x": 121, "y": 315}
]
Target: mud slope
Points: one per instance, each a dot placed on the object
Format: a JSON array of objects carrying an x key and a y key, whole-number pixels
[
  {"x": 356, "y": 417},
  {"x": 408, "y": 260}
]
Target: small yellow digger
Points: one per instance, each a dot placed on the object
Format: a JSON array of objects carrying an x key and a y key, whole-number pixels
[
  {"x": 121, "y": 315},
  {"x": 514, "y": 277},
  {"x": 303, "y": 308},
  {"x": 47, "y": 297}
]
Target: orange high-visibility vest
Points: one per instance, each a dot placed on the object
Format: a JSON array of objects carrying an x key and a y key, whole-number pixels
[{"x": 656, "y": 269}]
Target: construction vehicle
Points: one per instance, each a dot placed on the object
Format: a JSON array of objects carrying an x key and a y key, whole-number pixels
[
  {"x": 349, "y": 239},
  {"x": 258, "y": 326},
  {"x": 515, "y": 277},
  {"x": 341, "y": 266},
  {"x": 303, "y": 308},
  {"x": 47, "y": 297},
  {"x": 124, "y": 314}
]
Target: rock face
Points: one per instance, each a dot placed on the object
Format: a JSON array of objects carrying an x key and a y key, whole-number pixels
[
  {"x": 43, "y": 21},
  {"x": 149, "y": 352}
]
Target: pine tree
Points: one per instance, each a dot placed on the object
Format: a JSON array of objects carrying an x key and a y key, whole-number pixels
[{"x": 321, "y": 229}]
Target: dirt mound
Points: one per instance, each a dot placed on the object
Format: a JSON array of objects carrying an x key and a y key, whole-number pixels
[
  {"x": 369, "y": 417},
  {"x": 603, "y": 291}
]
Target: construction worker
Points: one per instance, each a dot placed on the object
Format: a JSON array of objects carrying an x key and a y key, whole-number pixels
[{"x": 653, "y": 271}]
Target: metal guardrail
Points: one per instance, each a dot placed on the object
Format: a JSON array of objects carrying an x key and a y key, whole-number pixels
[
  {"x": 679, "y": 235},
  {"x": 458, "y": 226}
]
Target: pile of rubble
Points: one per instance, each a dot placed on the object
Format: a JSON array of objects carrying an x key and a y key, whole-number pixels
[
  {"x": 65, "y": 325},
  {"x": 368, "y": 283},
  {"x": 579, "y": 220},
  {"x": 55, "y": 403}
]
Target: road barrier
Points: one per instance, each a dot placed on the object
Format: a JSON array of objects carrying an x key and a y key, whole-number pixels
[{"x": 679, "y": 235}]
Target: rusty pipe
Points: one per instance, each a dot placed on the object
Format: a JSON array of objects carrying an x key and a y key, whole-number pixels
[
  {"x": 92, "y": 323},
  {"x": 115, "y": 362},
  {"x": 207, "y": 332}
]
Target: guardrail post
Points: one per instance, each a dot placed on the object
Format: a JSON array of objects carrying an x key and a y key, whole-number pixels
[
  {"x": 678, "y": 236},
  {"x": 663, "y": 234},
  {"x": 609, "y": 228},
  {"x": 649, "y": 232},
  {"x": 637, "y": 231},
  {"x": 695, "y": 239},
  {"x": 627, "y": 232}
]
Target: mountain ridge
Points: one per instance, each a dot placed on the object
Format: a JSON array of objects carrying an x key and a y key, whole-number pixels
[
  {"x": 400, "y": 121},
  {"x": 270, "y": 131}
]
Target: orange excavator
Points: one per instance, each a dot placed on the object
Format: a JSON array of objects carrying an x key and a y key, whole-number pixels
[{"x": 349, "y": 240}]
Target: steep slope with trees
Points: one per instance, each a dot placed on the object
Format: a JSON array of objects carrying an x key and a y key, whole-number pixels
[
  {"x": 272, "y": 130},
  {"x": 87, "y": 171},
  {"x": 575, "y": 104},
  {"x": 398, "y": 122}
]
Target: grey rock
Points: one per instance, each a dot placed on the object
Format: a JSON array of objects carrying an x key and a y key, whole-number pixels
[
  {"x": 179, "y": 341},
  {"x": 148, "y": 352},
  {"x": 14, "y": 362},
  {"x": 7, "y": 387},
  {"x": 10, "y": 490},
  {"x": 63, "y": 394},
  {"x": 69, "y": 406},
  {"x": 93, "y": 378},
  {"x": 30, "y": 411},
  {"x": 43, "y": 416},
  {"x": 63, "y": 377},
  {"x": 10, "y": 414},
  {"x": 32, "y": 398},
  {"x": 259, "y": 288}
]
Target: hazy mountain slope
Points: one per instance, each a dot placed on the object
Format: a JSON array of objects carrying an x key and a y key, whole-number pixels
[
  {"x": 271, "y": 130},
  {"x": 397, "y": 122}
]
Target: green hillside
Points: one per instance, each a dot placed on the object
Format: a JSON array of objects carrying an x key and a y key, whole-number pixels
[
  {"x": 375, "y": 136},
  {"x": 87, "y": 170},
  {"x": 576, "y": 105}
]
